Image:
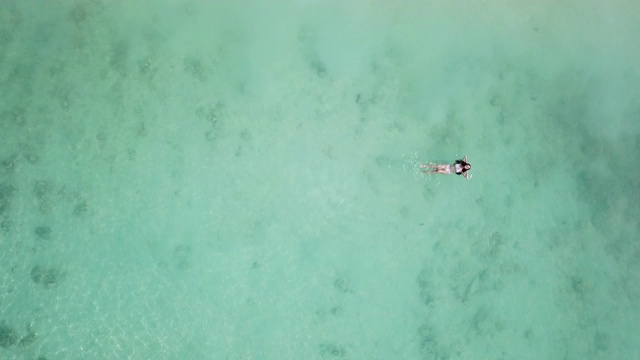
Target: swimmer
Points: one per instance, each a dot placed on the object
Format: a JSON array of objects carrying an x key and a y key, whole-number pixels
[{"x": 460, "y": 167}]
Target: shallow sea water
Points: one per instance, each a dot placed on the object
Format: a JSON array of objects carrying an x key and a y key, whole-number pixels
[{"x": 240, "y": 180}]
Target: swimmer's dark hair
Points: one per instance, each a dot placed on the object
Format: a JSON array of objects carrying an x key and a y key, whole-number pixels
[{"x": 464, "y": 165}]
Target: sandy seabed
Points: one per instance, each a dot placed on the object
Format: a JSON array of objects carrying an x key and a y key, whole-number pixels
[{"x": 239, "y": 180}]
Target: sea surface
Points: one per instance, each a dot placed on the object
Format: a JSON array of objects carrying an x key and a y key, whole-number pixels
[{"x": 239, "y": 179}]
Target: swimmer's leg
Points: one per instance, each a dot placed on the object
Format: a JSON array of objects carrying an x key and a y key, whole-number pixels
[{"x": 429, "y": 168}]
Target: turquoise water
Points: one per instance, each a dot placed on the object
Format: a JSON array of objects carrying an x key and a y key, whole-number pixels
[{"x": 239, "y": 180}]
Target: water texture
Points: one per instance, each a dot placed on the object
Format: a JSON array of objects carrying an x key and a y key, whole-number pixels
[{"x": 240, "y": 179}]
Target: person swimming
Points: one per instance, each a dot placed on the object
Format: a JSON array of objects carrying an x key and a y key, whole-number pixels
[{"x": 460, "y": 167}]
